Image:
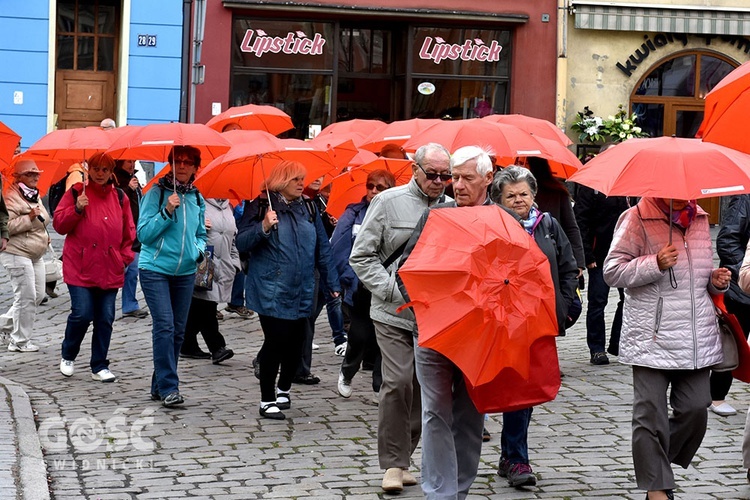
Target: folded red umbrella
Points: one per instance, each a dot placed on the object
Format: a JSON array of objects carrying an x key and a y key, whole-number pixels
[
  {"x": 732, "y": 325},
  {"x": 484, "y": 302}
]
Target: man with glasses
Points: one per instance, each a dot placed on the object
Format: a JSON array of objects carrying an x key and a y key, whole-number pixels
[
  {"x": 451, "y": 425},
  {"x": 382, "y": 238}
]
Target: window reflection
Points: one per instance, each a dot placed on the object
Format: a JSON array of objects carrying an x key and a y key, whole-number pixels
[
  {"x": 457, "y": 99},
  {"x": 713, "y": 70},
  {"x": 673, "y": 78}
]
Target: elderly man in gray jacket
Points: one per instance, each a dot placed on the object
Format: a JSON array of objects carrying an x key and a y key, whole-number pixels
[{"x": 380, "y": 242}]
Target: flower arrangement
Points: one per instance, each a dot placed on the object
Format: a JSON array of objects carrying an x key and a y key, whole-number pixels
[{"x": 616, "y": 128}]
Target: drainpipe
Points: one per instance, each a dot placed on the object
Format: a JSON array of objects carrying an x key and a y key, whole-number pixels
[
  {"x": 185, "y": 61},
  {"x": 562, "y": 64}
]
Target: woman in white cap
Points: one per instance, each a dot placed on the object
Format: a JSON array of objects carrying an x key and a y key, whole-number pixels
[{"x": 22, "y": 258}]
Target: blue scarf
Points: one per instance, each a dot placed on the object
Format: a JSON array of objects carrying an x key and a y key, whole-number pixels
[{"x": 530, "y": 223}]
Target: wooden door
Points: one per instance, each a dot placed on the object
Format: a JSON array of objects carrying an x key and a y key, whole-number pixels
[{"x": 86, "y": 63}]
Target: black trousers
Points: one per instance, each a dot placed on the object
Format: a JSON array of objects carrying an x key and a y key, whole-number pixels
[
  {"x": 282, "y": 347},
  {"x": 361, "y": 339},
  {"x": 202, "y": 318}
]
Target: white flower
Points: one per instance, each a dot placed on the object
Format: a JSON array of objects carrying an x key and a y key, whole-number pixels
[
  {"x": 593, "y": 130},
  {"x": 626, "y": 126},
  {"x": 622, "y": 135},
  {"x": 598, "y": 121}
]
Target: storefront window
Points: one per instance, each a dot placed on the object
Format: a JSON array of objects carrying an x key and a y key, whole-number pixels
[
  {"x": 466, "y": 52},
  {"x": 364, "y": 51},
  {"x": 306, "y": 98},
  {"x": 294, "y": 45},
  {"x": 459, "y": 99},
  {"x": 673, "y": 78}
]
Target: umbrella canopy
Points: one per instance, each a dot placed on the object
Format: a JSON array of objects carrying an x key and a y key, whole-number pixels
[
  {"x": 727, "y": 107},
  {"x": 253, "y": 117},
  {"x": 667, "y": 167},
  {"x": 562, "y": 161},
  {"x": 8, "y": 142},
  {"x": 244, "y": 136},
  {"x": 484, "y": 302},
  {"x": 240, "y": 173},
  {"x": 534, "y": 126},
  {"x": 397, "y": 132},
  {"x": 356, "y": 130},
  {"x": 154, "y": 142},
  {"x": 52, "y": 171},
  {"x": 349, "y": 187}
]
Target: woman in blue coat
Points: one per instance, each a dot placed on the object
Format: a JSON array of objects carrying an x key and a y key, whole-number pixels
[{"x": 287, "y": 240}]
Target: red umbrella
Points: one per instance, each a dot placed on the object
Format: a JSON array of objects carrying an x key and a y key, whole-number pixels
[
  {"x": 244, "y": 136},
  {"x": 52, "y": 170},
  {"x": 239, "y": 173},
  {"x": 9, "y": 140},
  {"x": 534, "y": 126},
  {"x": 482, "y": 303},
  {"x": 727, "y": 107},
  {"x": 253, "y": 117},
  {"x": 562, "y": 161},
  {"x": 154, "y": 142},
  {"x": 667, "y": 167},
  {"x": 349, "y": 187},
  {"x": 397, "y": 132}
]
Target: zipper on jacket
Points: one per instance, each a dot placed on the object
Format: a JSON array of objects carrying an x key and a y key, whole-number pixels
[
  {"x": 692, "y": 302},
  {"x": 184, "y": 231}
]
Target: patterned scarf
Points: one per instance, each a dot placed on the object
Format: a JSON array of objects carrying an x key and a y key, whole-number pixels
[
  {"x": 530, "y": 223},
  {"x": 680, "y": 218},
  {"x": 29, "y": 194}
]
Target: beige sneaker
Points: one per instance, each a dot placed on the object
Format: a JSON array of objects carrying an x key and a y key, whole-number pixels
[
  {"x": 393, "y": 480},
  {"x": 408, "y": 479}
]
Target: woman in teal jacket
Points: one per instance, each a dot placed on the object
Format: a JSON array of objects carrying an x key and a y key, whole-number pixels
[
  {"x": 287, "y": 242},
  {"x": 172, "y": 233}
]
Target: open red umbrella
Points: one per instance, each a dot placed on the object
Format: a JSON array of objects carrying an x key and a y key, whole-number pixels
[
  {"x": 534, "y": 126},
  {"x": 253, "y": 117},
  {"x": 244, "y": 136},
  {"x": 52, "y": 170},
  {"x": 240, "y": 173},
  {"x": 397, "y": 132},
  {"x": 8, "y": 142},
  {"x": 356, "y": 130},
  {"x": 481, "y": 303},
  {"x": 727, "y": 107},
  {"x": 349, "y": 187},
  {"x": 667, "y": 167}
]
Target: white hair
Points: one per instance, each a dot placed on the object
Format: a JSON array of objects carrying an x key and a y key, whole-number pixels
[{"x": 468, "y": 153}]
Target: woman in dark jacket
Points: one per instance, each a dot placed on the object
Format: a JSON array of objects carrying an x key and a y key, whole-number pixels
[
  {"x": 515, "y": 188},
  {"x": 287, "y": 240},
  {"x": 98, "y": 228}
]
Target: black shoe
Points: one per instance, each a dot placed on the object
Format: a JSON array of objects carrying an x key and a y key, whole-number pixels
[
  {"x": 256, "y": 368},
  {"x": 155, "y": 397},
  {"x": 308, "y": 379},
  {"x": 222, "y": 354},
  {"x": 283, "y": 400},
  {"x": 266, "y": 411},
  {"x": 195, "y": 355},
  {"x": 173, "y": 399},
  {"x": 51, "y": 293},
  {"x": 599, "y": 358},
  {"x": 138, "y": 313}
]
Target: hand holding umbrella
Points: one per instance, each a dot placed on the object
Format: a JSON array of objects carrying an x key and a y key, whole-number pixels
[
  {"x": 82, "y": 201},
  {"x": 667, "y": 257},
  {"x": 173, "y": 202},
  {"x": 270, "y": 221}
]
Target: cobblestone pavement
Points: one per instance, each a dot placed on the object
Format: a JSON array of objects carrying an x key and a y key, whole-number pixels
[{"x": 110, "y": 441}]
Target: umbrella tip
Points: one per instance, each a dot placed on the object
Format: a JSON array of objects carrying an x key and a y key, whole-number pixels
[{"x": 507, "y": 281}]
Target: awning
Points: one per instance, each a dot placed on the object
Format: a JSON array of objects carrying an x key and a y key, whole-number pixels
[{"x": 661, "y": 18}]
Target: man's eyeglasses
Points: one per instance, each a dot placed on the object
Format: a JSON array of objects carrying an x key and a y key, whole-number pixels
[
  {"x": 432, "y": 176},
  {"x": 370, "y": 186}
]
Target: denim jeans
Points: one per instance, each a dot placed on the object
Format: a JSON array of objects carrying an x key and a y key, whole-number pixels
[
  {"x": 168, "y": 298},
  {"x": 514, "y": 439},
  {"x": 27, "y": 278},
  {"x": 129, "y": 302},
  {"x": 238, "y": 290},
  {"x": 89, "y": 305},
  {"x": 451, "y": 427}
]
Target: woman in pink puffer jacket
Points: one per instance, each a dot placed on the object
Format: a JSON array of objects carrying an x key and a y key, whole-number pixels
[{"x": 669, "y": 331}]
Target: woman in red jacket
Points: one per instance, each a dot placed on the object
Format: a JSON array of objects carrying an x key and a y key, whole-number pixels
[{"x": 98, "y": 227}]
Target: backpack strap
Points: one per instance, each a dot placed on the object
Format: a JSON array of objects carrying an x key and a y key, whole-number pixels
[{"x": 312, "y": 209}]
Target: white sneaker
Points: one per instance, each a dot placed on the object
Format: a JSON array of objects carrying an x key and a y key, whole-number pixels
[
  {"x": 724, "y": 409},
  {"x": 340, "y": 350},
  {"x": 67, "y": 367},
  {"x": 27, "y": 347},
  {"x": 315, "y": 346},
  {"x": 104, "y": 376},
  {"x": 344, "y": 386}
]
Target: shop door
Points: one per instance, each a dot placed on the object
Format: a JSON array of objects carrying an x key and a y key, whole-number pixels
[{"x": 86, "y": 66}]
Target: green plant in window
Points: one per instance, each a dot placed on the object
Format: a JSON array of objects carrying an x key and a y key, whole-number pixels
[
  {"x": 588, "y": 126},
  {"x": 616, "y": 128}
]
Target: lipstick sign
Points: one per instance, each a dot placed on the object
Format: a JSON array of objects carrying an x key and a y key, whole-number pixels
[
  {"x": 436, "y": 49},
  {"x": 296, "y": 42}
]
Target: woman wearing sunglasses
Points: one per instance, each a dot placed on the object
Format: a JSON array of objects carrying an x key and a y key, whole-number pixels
[{"x": 356, "y": 298}]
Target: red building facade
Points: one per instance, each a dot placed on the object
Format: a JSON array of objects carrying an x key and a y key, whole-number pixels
[{"x": 333, "y": 60}]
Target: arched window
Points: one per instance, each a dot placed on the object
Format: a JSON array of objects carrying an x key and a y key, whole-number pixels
[{"x": 669, "y": 98}]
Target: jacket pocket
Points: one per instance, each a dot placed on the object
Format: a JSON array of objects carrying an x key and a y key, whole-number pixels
[{"x": 657, "y": 316}]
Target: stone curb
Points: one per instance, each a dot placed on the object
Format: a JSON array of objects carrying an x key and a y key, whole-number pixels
[{"x": 33, "y": 484}]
